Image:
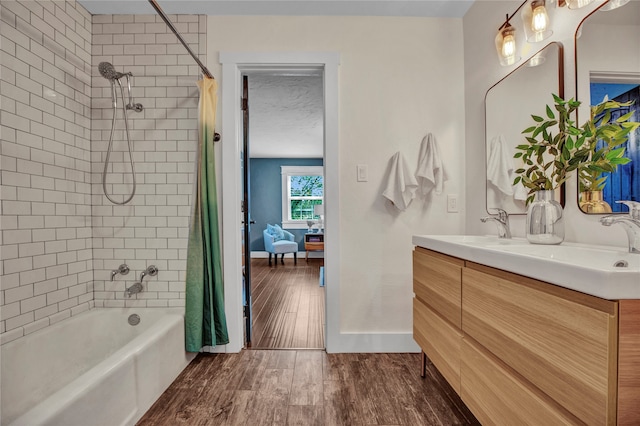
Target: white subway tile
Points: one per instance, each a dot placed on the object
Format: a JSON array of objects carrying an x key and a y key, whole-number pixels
[{"x": 17, "y": 265}]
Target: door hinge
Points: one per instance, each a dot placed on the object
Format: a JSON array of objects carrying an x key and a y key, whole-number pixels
[
  {"x": 245, "y": 311},
  {"x": 243, "y": 205},
  {"x": 245, "y": 104}
]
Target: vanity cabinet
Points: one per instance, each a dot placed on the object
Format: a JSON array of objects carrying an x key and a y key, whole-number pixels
[
  {"x": 521, "y": 351},
  {"x": 437, "y": 312}
]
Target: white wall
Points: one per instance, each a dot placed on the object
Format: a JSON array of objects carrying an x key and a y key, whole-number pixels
[
  {"x": 482, "y": 70},
  {"x": 399, "y": 79}
]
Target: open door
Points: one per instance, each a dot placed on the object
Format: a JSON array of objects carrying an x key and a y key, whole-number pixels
[{"x": 246, "y": 218}]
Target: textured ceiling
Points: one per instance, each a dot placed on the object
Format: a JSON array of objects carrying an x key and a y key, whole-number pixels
[
  {"x": 430, "y": 8},
  {"x": 285, "y": 116}
]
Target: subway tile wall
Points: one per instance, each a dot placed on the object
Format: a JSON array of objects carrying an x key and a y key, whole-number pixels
[
  {"x": 46, "y": 243},
  {"x": 153, "y": 228},
  {"x": 60, "y": 237}
]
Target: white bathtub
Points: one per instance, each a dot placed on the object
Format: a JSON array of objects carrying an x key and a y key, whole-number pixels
[{"x": 92, "y": 369}]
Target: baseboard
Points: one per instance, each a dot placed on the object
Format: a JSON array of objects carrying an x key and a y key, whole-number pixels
[
  {"x": 301, "y": 254},
  {"x": 372, "y": 343}
]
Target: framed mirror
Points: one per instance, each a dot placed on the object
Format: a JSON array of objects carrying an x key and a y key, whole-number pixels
[
  {"x": 509, "y": 105},
  {"x": 608, "y": 67}
]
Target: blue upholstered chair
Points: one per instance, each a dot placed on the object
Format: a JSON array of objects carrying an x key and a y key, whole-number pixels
[{"x": 286, "y": 245}]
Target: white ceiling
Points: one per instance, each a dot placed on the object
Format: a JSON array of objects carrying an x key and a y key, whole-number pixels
[
  {"x": 429, "y": 8},
  {"x": 285, "y": 116}
]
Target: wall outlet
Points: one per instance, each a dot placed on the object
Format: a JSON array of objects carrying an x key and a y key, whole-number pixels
[
  {"x": 362, "y": 173},
  {"x": 452, "y": 203}
]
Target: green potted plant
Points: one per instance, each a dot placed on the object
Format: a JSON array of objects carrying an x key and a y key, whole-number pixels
[
  {"x": 548, "y": 159},
  {"x": 548, "y": 156},
  {"x": 602, "y": 153}
]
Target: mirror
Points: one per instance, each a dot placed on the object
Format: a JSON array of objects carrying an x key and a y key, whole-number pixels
[
  {"x": 608, "y": 64},
  {"x": 532, "y": 84}
]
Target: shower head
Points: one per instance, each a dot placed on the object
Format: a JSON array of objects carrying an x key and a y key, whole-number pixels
[{"x": 108, "y": 71}]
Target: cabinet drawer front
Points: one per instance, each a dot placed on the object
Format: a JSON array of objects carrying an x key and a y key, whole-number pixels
[
  {"x": 567, "y": 349},
  {"x": 437, "y": 282},
  {"x": 496, "y": 396},
  {"x": 439, "y": 340}
]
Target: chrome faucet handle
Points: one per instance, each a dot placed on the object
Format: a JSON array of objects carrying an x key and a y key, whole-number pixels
[
  {"x": 151, "y": 270},
  {"x": 122, "y": 270},
  {"x": 502, "y": 214},
  {"x": 634, "y": 208}
]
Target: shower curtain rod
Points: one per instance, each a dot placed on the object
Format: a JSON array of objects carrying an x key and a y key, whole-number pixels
[
  {"x": 205, "y": 71},
  {"x": 164, "y": 17}
]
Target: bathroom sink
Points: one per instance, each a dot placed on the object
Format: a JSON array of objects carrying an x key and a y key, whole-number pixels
[{"x": 607, "y": 272}]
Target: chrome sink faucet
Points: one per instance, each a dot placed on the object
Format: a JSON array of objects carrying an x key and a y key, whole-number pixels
[
  {"x": 630, "y": 222},
  {"x": 502, "y": 221}
]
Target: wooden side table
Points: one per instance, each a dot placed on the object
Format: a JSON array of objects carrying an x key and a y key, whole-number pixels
[{"x": 313, "y": 242}]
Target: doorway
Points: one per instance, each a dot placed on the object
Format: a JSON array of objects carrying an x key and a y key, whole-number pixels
[
  {"x": 233, "y": 66},
  {"x": 283, "y": 185}
]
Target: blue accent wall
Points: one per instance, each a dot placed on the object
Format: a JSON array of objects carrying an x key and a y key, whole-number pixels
[{"x": 265, "y": 204}]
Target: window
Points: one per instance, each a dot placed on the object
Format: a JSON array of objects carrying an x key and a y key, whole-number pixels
[{"x": 302, "y": 188}]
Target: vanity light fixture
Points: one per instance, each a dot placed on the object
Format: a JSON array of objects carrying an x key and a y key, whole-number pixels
[
  {"x": 506, "y": 44},
  {"x": 613, "y": 4},
  {"x": 574, "y": 4},
  {"x": 536, "y": 21}
]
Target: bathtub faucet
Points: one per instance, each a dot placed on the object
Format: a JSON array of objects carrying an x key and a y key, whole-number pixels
[
  {"x": 502, "y": 220},
  {"x": 630, "y": 222},
  {"x": 136, "y": 288},
  {"x": 122, "y": 270}
]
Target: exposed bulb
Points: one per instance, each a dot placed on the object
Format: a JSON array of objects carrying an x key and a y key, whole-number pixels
[
  {"x": 508, "y": 46},
  {"x": 540, "y": 19}
]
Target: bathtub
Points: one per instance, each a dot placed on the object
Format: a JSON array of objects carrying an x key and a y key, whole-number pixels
[{"x": 93, "y": 368}]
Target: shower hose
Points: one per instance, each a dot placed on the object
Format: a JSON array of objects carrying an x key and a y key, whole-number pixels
[{"x": 113, "y": 128}]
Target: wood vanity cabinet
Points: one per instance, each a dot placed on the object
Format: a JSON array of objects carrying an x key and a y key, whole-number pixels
[{"x": 521, "y": 351}]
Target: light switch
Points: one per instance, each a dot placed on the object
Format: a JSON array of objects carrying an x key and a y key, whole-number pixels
[{"x": 363, "y": 173}]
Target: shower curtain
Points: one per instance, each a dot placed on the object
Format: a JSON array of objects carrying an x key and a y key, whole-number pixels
[{"x": 205, "y": 320}]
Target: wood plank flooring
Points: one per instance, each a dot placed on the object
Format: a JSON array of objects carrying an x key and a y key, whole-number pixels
[
  {"x": 307, "y": 387},
  {"x": 287, "y": 305}
]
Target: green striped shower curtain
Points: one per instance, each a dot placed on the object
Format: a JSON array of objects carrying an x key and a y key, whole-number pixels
[{"x": 205, "y": 320}]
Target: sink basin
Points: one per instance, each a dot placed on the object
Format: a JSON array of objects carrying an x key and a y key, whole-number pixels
[{"x": 607, "y": 272}]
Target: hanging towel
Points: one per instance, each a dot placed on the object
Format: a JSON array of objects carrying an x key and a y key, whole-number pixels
[
  {"x": 500, "y": 166},
  {"x": 401, "y": 184},
  {"x": 520, "y": 192},
  {"x": 430, "y": 172}
]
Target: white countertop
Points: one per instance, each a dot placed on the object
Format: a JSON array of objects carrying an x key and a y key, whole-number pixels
[{"x": 586, "y": 268}]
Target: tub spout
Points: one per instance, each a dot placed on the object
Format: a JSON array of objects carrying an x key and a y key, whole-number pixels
[{"x": 136, "y": 288}]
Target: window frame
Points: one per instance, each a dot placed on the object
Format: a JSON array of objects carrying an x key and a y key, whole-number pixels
[{"x": 286, "y": 172}]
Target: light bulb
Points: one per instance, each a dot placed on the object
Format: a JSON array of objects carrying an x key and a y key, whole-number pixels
[
  {"x": 540, "y": 19},
  {"x": 508, "y": 45}
]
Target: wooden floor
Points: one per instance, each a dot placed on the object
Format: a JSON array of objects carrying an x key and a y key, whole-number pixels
[
  {"x": 287, "y": 304},
  {"x": 286, "y": 387}
]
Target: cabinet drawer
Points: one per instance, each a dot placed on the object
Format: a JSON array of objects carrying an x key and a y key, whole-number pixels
[
  {"x": 563, "y": 342},
  {"x": 437, "y": 282},
  {"x": 439, "y": 340},
  {"x": 497, "y": 396}
]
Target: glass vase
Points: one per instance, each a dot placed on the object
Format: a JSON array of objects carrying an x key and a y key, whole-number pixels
[{"x": 545, "y": 219}]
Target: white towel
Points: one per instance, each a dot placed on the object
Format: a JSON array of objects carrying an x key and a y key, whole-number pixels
[
  {"x": 500, "y": 166},
  {"x": 430, "y": 172},
  {"x": 401, "y": 185}
]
